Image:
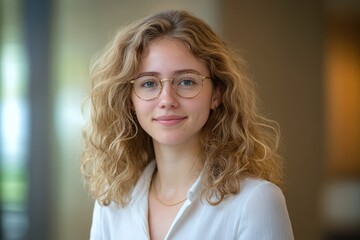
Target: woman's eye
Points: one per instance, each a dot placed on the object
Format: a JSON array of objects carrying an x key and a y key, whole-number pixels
[
  {"x": 149, "y": 84},
  {"x": 187, "y": 82}
]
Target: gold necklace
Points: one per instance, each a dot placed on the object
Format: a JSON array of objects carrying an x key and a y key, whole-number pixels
[{"x": 163, "y": 203}]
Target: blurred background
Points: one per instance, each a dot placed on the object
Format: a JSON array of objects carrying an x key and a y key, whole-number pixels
[{"x": 304, "y": 56}]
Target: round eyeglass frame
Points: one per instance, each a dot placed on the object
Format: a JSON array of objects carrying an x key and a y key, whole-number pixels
[{"x": 132, "y": 81}]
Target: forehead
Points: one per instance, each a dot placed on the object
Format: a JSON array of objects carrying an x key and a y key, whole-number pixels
[{"x": 167, "y": 56}]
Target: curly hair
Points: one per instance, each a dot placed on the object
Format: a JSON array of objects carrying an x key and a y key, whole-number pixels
[{"x": 236, "y": 141}]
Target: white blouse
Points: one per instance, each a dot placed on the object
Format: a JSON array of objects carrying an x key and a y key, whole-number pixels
[{"x": 257, "y": 212}]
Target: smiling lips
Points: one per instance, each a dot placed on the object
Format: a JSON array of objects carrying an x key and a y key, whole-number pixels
[{"x": 169, "y": 120}]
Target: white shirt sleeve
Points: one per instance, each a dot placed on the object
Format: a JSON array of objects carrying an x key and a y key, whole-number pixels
[
  {"x": 265, "y": 215},
  {"x": 95, "y": 233}
]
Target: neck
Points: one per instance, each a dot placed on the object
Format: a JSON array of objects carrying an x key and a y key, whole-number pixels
[{"x": 177, "y": 169}]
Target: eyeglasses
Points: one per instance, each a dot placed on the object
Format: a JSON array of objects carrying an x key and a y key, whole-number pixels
[{"x": 185, "y": 84}]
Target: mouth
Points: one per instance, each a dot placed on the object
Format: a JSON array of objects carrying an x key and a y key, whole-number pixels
[{"x": 169, "y": 120}]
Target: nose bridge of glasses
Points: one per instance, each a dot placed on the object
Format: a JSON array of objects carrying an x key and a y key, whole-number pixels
[
  {"x": 170, "y": 87},
  {"x": 166, "y": 79},
  {"x": 170, "y": 80}
]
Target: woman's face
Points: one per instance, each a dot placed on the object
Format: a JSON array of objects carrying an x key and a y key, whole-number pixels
[{"x": 170, "y": 119}]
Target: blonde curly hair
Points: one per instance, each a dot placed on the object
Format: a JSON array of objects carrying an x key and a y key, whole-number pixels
[{"x": 236, "y": 141}]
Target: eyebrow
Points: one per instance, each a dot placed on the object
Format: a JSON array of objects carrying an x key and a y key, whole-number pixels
[{"x": 173, "y": 74}]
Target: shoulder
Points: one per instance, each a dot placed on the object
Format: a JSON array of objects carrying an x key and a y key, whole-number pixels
[
  {"x": 264, "y": 211},
  {"x": 260, "y": 189},
  {"x": 109, "y": 220},
  {"x": 252, "y": 189},
  {"x": 258, "y": 196}
]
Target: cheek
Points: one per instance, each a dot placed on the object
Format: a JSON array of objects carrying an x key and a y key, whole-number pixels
[
  {"x": 202, "y": 110},
  {"x": 140, "y": 115},
  {"x": 142, "y": 109},
  {"x": 136, "y": 105}
]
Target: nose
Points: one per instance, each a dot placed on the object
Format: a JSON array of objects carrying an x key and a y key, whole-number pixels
[{"x": 168, "y": 97}]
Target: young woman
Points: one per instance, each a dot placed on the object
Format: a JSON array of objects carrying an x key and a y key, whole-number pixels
[{"x": 176, "y": 148}]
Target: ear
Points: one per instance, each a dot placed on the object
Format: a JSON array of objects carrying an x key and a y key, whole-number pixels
[{"x": 216, "y": 98}]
